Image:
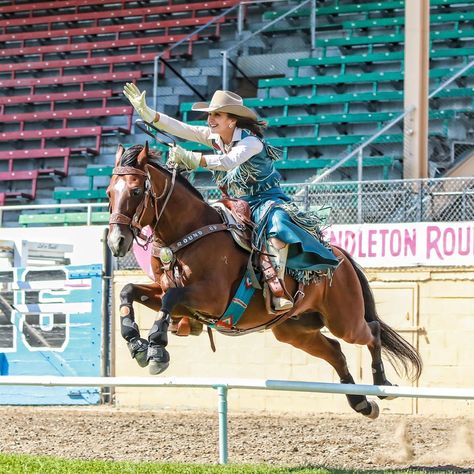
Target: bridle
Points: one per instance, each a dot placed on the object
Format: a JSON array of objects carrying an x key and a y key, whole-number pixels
[{"x": 134, "y": 221}]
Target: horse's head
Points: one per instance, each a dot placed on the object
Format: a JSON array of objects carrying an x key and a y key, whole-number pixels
[{"x": 128, "y": 193}]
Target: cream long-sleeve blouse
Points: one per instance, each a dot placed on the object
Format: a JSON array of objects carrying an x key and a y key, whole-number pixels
[{"x": 227, "y": 157}]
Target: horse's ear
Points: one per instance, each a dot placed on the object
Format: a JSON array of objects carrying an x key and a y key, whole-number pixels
[
  {"x": 118, "y": 154},
  {"x": 143, "y": 156}
]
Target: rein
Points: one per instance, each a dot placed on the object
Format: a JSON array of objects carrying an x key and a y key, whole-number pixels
[{"x": 134, "y": 221}]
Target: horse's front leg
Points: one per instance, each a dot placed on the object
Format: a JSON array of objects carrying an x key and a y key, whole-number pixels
[
  {"x": 158, "y": 357},
  {"x": 148, "y": 295}
]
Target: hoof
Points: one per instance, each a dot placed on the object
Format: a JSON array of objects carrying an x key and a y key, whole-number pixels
[
  {"x": 184, "y": 327},
  {"x": 138, "y": 349},
  {"x": 158, "y": 359},
  {"x": 156, "y": 368},
  {"x": 142, "y": 359},
  {"x": 374, "y": 412},
  {"x": 196, "y": 327}
]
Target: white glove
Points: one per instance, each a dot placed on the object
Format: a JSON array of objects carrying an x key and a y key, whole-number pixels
[
  {"x": 189, "y": 159},
  {"x": 137, "y": 99}
]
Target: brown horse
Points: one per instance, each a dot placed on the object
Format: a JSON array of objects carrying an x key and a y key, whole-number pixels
[{"x": 201, "y": 279}]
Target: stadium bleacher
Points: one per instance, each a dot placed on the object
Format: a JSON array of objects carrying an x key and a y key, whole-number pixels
[
  {"x": 62, "y": 67},
  {"x": 64, "y": 63}
]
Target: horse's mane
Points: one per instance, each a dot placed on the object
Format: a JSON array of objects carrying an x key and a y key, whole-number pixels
[{"x": 129, "y": 158}]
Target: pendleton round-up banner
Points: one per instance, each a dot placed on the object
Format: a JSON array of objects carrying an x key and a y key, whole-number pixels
[
  {"x": 412, "y": 244},
  {"x": 392, "y": 245}
]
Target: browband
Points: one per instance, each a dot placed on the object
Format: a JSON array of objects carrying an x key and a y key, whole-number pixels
[{"x": 122, "y": 170}]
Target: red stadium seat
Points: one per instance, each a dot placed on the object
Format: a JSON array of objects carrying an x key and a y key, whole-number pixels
[
  {"x": 48, "y": 6},
  {"x": 71, "y": 79},
  {"x": 43, "y": 135},
  {"x": 70, "y": 114},
  {"x": 42, "y": 153},
  {"x": 109, "y": 29},
  {"x": 86, "y": 46},
  {"x": 82, "y": 62},
  {"x": 13, "y": 195},
  {"x": 94, "y": 16},
  {"x": 56, "y": 97},
  {"x": 28, "y": 175}
]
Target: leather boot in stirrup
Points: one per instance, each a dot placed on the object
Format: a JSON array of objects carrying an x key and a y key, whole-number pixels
[{"x": 278, "y": 258}]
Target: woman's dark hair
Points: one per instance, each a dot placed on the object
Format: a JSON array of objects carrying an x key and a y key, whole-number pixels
[{"x": 255, "y": 126}]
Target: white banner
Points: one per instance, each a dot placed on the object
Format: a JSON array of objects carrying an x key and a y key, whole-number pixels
[{"x": 399, "y": 245}]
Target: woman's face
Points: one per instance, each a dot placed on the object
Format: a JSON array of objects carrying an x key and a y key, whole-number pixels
[{"x": 221, "y": 123}]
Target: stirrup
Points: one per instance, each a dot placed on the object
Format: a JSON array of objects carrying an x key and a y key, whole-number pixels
[{"x": 281, "y": 304}]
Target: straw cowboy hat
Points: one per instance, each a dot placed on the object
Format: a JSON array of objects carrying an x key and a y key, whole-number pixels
[{"x": 226, "y": 101}]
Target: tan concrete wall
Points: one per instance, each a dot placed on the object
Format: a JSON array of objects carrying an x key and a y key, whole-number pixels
[{"x": 432, "y": 308}]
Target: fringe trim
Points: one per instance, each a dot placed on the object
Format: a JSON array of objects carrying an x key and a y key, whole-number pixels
[
  {"x": 237, "y": 180},
  {"x": 309, "y": 221},
  {"x": 273, "y": 152},
  {"x": 309, "y": 276}
]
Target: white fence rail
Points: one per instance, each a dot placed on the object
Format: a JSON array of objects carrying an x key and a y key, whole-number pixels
[{"x": 223, "y": 385}]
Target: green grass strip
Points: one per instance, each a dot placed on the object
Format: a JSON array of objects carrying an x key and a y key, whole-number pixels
[{"x": 27, "y": 464}]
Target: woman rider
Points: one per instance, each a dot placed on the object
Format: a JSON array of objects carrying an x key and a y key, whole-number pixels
[{"x": 243, "y": 163}]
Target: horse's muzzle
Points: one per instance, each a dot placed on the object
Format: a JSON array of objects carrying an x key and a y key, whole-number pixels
[{"x": 119, "y": 243}]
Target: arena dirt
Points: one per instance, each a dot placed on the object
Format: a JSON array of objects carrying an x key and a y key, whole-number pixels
[{"x": 344, "y": 441}]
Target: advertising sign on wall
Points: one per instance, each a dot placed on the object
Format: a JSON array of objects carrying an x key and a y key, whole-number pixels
[
  {"x": 392, "y": 245},
  {"x": 412, "y": 244}
]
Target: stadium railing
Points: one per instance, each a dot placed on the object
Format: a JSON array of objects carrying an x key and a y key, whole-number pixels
[{"x": 392, "y": 201}]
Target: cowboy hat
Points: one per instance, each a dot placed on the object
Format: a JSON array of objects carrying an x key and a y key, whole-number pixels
[{"x": 226, "y": 101}]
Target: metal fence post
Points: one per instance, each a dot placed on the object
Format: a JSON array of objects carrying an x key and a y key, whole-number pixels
[
  {"x": 240, "y": 20},
  {"x": 222, "y": 407},
  {"x": 359, "y": 185},
  {"x": 156, "y": 61},
  {"x": 307, "y": 202},
  {"x": 421, "y": 187},
  {"x": 313, "y": 27},
  {"x": 225, "y": 81}
]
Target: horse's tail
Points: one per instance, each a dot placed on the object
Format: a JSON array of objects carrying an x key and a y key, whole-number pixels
[{"x": 395, "y": 347}]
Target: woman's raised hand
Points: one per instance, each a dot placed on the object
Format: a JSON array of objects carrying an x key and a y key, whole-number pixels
[
  {"x": 189, "y": 159},
  {"x": 137, "y": 99}
]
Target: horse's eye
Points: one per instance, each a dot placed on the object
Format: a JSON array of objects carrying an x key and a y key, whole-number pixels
[{"x": 137, "y": 192}]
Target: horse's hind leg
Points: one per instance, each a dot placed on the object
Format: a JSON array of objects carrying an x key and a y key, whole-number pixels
[
  {"x": 147, "y": 295},
  {"x": 305, "y": 334},
  {"x": 375, "y": 348}
]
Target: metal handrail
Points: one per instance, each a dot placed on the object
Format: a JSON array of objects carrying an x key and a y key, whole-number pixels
[
  {"x": 223, "y": 385},
  {"x": 359, "y": 150},
  {"x": 307, "y": 188},
  {"x": 24, "y": 207},
  {"x": 225, "y": 53},
  {"x": 451, "y": 79},
  {"x": 178, "y": 43},
  {"x": 240, "y": 17}
]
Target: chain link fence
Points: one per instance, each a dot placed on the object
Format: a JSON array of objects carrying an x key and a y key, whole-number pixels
[
  {"x": 349, "y": 202},
  {"x": 428, "y": 200}
]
